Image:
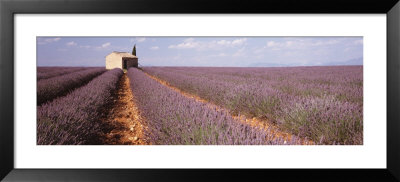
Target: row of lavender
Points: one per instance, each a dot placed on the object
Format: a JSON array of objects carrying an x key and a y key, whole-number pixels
[
  {"x": 178, "y": 120},
  {"x": 48, "y": 89},
  {"x": 321, "y": 103},
  {"x": 48, "y": 72},
  {"x": 48, "y": 69},
  {"x": 73, "y": 119}
]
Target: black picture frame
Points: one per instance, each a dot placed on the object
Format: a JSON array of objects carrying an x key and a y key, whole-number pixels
[{"x": 9, "y": 8}]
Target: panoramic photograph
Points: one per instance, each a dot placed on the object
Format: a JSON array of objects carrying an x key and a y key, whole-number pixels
[{"x": 199, "y": 90}]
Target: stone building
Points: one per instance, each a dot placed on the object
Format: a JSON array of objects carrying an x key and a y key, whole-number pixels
[{"x": 121, "y": 60}]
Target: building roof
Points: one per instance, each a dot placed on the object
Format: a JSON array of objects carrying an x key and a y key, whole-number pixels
[{"x": 124, "y": 54}]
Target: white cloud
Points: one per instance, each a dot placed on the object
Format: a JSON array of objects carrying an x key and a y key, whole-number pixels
[
  {"x": 42, "y": 41},
  {"x": 55, "y": 39},
  {"x": 105, "y": 45},
  {"x": 299, "y": 44},
  {"x": 191, "y": 43},
  {"x": 222, "y": 42},
  {"x": 239, "y": 42},
  {"x": 101, "y": 47},
  {"x": 72, "y": 43},
  {"x": 138, "y": 39},
  {"x": 284, "y": 44},
  {"x": 271, "y": 44},
  {"x": 188, "y": 40},
  {"x": 154, "y": 48},
  {"x": 323, "y": 43},
  {"x": 184, "y": 45}
]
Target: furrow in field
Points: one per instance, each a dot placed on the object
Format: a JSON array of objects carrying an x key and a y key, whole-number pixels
[
  {"x": 254, "y": 122},
  {"x": 123, "y": 116}
]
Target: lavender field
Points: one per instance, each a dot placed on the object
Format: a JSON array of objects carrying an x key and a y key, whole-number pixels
[
  {"x": 73, "y": 119},
  {"x": 58, "y": 85},
  {"x": 48, "y": 72},
  {"x": 200, "y": 106},
  {"x": 324, "y": 104},
  {"x": 175, "y": 119}
]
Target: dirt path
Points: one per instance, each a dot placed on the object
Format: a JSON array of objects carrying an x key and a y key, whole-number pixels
[
  {"x": 124, "y": 117},
  {"x": 255, "y": 122}
]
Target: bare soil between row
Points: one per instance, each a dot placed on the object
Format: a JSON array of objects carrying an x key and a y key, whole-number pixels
[{"x": 128, "y": 127}]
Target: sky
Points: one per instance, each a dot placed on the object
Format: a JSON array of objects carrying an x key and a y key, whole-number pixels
[{"x": 203, "y": 51}]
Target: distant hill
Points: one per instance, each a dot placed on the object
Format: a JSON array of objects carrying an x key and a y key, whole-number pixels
[
  {"x": 356, "y": 61},
  {"x": 267, "y": 65}
]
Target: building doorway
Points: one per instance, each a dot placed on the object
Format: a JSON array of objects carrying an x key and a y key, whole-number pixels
[{"x": 124, "y": 64}]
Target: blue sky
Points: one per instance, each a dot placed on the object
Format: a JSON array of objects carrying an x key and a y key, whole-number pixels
[{"x": 203, "y": 51}]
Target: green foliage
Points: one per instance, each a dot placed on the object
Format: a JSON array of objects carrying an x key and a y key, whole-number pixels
[{"x": 134, "y": 50}]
